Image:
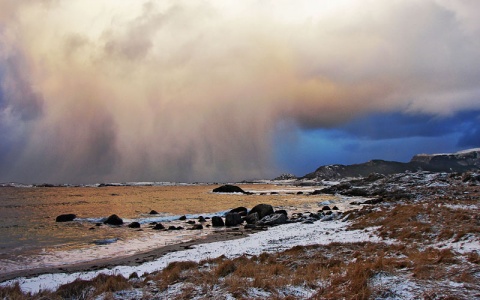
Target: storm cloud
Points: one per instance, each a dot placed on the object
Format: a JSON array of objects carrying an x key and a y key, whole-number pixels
[{"x": 193, "y": 91}]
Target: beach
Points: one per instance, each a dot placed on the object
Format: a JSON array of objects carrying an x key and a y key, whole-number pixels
[{"x": 82, "y": 245}]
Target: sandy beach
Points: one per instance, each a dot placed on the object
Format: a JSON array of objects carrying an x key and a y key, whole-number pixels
[{"x": 132, "y": 260}]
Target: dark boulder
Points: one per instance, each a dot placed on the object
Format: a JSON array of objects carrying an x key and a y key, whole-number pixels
[
  {"x": 356, "y": 192},
  {"x": 242, "y": 211},
  {"x": 281, "y": 211},
  {"x": 263, "y": 210},
  {"x": 153, "y": 212},
  {"x": 197, "y": 227},
  {"x": 174, "y": 228},
  {"x": 335, "y": 208},
  {"x": 182, "y": 218},
  {"x": 134, "y": 225},
  {"x": 228, "y": 188},
  {"x": 217, "y": 221},
  {"x": 252, "y": 218},
  {"x": 201, "y": 219},
  {"x": 233, "y": 219},
  {"x": 65, "y": 218},
  {"x": 113, "y": 220},
  {"x": 326, "y": 207},
  {"x": 191, "y": 222},
  {"x": 274, "y": 219},
  {"x": 158, "y": 226}
]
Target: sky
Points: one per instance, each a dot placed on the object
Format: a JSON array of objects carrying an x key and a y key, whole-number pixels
[{"x": 135, "y": 90}]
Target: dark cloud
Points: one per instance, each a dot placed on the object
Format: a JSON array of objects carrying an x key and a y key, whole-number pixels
[
  {"x": 471, "y": 136},
  {"x": 400, "y": 125},
  {"x": 175, "y": 90}
]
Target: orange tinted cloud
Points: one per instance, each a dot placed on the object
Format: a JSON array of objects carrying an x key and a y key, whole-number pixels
[{"x": 140, "y": 90}]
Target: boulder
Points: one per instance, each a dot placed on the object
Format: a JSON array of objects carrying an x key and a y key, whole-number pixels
[
  {"x": 274, "y": 219},
  {"x": 134, "y": 225},
  {"x": 242, "y": 211},
  {"x": 233, "y": 219},
  {"x": 252, "y": 218},
  {"x": 201, "y": 219},
  {"x": 182, "y": 218},
  {"x": 65, "y": 218},
  {"x": 158, "y": 226},
  {"x": 174, "y": 228},
  {"x": 263, "y": 210},
  {"x": 326, "y": 207},
  {"x": 153, "y": 212},
  {"x": 281, "y": 211},
  {"x": 113, "y": 220},
  {"x": 228, "y": 188},
  {"x": 197, "y": 227},
  {"x": 217, "y": 221}
]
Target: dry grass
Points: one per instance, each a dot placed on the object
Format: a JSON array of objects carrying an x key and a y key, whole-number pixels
[
  {"x": 425, "y": 223},
  {"x": 335, "y": 271}
]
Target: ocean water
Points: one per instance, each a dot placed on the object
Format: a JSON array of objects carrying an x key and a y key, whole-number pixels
[{"x": 30, "y": 237}]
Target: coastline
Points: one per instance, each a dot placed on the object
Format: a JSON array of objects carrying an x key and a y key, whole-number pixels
[{"x": 128, "y": 260}]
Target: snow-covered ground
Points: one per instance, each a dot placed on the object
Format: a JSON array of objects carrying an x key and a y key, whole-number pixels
[{"x": 275, "y": 239}]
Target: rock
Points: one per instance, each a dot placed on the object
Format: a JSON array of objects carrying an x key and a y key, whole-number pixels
[
  {"x": 356, "y": 192},
  {"x": 182, "y": 218},
  {"x": 300, "y": 193},
  {"x": 191, "y": 222},
  {"x": 174, "y": 228},
  {"x": 153, "y": 212},
  {"x": 228, "y": 189},
  {"x": 252, "y": 218},
  {"x": 201, "y": 219},
  {"x": 233, "y": 219},
  {"x": 263, "y": 210},
  {"x": 326, "y": 207},
  {"x": 314, "y": 216},
  {"x": 335, "y": 208},
  {"x": 242, "y": 211},
  {"x": 134, "y": 225},
  {"x": 274, "y": 219},
  {"x": 217, "y": 221},
  {"x": 158, "y": 226},
  {"x": 113, "y": 220},
  {"x": 281, "y": 211},
  {"x": 327, "y": 218},
  {"x": 65, "y": 218},
  {"x": 286, "y": 176},
  {"x": 297, "y": 215},
  {"x": 372, "y": 201},
  {"x": 197, "y": 227}
]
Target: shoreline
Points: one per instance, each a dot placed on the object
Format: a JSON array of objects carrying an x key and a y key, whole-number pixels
[{"x": 129, "y": 260}]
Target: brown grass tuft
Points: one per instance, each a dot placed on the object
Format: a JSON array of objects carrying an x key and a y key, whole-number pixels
[{"x": 225, "y": 268}]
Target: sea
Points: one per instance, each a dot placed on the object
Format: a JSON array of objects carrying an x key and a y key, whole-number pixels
[{"x": 31, "y": 238}]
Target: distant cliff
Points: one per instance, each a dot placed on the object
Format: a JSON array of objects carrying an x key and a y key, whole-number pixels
[{"x": 450, "y": 162}]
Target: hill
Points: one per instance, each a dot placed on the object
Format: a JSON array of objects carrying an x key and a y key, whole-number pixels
[{"x": 462, "y": 161}]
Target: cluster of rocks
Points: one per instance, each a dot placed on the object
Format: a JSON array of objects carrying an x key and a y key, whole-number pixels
[
  {"x": 259, "y": 217},
  {"x": 263, "y": 215},
  {"x": 401, "y": 186}
]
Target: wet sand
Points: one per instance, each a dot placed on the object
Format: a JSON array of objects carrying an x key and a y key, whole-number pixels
[{"x": 132, "y": 260}]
